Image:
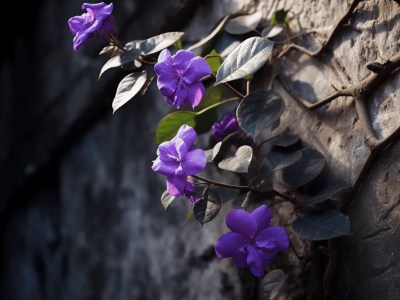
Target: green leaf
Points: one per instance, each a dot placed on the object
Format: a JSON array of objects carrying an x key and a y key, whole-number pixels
[
  {"x": 243, "y": 24},
  {"x": 210, "y": 36},
  {"x": 306, "y": 169},
  {"x": 322, "y": 225},
  {"x": 240, "y": 162},
  {"x": 170, "y": 124},
  {"x": 121, "y": 59},
  {"x": 259, "y": 111},
  {"x": 212, "y": 96},
  {"x": 214, "y": 61},
  {"x": 167, "y": 199},
  {"x": 205, "y": 120},
  {"x": 127, "y": 88},
  {"x": 208, "y": 207},
  {"x": 279, "y": 17},
  {"x": 178, "y": 44},
  {"x": 246, "y": 59},
  {"x": 159, "y": 42}
]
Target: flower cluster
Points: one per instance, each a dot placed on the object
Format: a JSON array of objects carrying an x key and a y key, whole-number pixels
[
  {"x": 252, "y": 242},
  {"x": 177, "y": 159},
  {"x": 226, "y": 126},
  {"x": 179, "y": 77},
  {"x": 97, "y": 19}
]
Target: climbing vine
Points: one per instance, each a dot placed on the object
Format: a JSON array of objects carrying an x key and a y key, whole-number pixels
[{"x": 273, "y": 165}]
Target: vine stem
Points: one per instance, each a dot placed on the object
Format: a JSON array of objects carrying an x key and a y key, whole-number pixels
[{"x": 235, "y": 91}]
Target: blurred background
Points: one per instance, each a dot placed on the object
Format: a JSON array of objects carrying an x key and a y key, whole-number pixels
[{"x": 80, "y": 207}]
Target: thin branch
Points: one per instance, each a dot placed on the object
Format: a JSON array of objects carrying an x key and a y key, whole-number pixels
[
  {"x": 329, "y": 40},
  {"x": 235, "y": 91},
  {"x": 362, "y": 113},
  {"x": 231, "y": 186}
]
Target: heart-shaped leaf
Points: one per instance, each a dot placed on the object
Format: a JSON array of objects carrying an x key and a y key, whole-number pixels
[
  {"x": 127, "y": 88},
  {"x": 207, "y": 207},
  {"x": 285, "y": 140},
  {"x": 322, "y": 225},
  {"x": 212, "y": 153},
  {"x": 246, "y": 59},
  {"x": 243, "y": 24},
  {"x": 323, "y": 192},
  {"x": 272, "y": 284},
  {"x": 259, "y": 111},
  {"x": 270, "y": 32},
  {"x": 159, "y": 42},
  {"x": 240, "y": 162},
  {"x": 210, "y": 36},
  {"x": 121, "y": 59},
  {"x": 167, "y": 199},
  {"x": 304, "y": 170}
]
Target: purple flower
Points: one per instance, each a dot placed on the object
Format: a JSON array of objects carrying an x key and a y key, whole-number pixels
[
  {"x": 179, "y": 77},
  {"x": 252, "y": 242},
  {"x": 190, "y": 193},
  {"x": 97, "y": 19},
  {"x": 227, "y": 125},
  {"x": 178, "y": 159}
]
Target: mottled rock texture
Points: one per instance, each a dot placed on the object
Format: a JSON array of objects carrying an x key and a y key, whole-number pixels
[{"x": 80, "y": 211}]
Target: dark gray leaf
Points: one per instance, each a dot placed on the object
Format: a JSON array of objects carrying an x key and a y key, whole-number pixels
[
  {"x": 277, "y": 160},
  {"x": 246, "y": 59},
  {"x": 323, "y": 192},
  {"x": 121, "y": 59},
  {"x": 304, "y": 170},
  {"x": 285, "y": 140},
  {"x": 212, "y": 153},
  {"x": 240, "y": 162},
  {"x": 259, "y": 111},
  {"x": 210, "y": 36},
  {"x": 167, "y": 199},
  {"x": 272, "y": 284},
  {"x": 322, "y": 225},
  {"x": 226, "y": 43},
  {"x": 127, "y": 88},
  {"x": 159, "y": 42},
  {"x": 270, "y": 32},
  {"x": 264, "y": 184},
  {"x": 243, "y": 24},
  {"x": 208, "y": 207}
]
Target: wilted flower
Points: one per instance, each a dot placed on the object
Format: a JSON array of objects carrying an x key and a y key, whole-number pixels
[
  {"x": 179, "y": 77},
  {"x": 227, "y": 125},
  {"x": 177, "y": 159},
  {"x": 252, "y": 242},
  {"x": 97, "y": 19}
]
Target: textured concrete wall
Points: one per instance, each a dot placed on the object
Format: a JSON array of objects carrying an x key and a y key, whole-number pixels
[{"x": 80, "y": 212}]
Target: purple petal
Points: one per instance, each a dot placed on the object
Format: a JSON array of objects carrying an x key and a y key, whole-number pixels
[
  {"x": 263, "y": 216},
  {"x": 195, "y": 92},
  {"x": 232, "y": 245},
  {"x": 167, "y": 151},
  {"x": 181, "y": 57},
  {"x": 187, "y": 134},
  {"x": 165, "y": 167},
  {"x": 76, "y": 24},
  {"x": 196, "y": 70},
  {"x": 80, "y": 38},
  {"x": 167, "y": 87},
  {"x": 164, "y": 55},
  {"x": 180, "y": 96},
  {"x": 194, "y": 162},
  {"x": 240, "y": 221},
  {"x": 275, "y": 234},
  {"x": 181, "y": 149},
  {"x": 267, "y": 256},
  {"x": 95, "y": 8},
  {"x": 176, "y": 185},
  {"x": 255, "y": 262}
]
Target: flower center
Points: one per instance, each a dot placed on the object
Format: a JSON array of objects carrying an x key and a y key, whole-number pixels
[{"x": 174, "y": 157}]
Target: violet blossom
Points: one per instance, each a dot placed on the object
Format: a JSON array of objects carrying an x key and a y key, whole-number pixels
[
  {"x": 177, "y": 159},
  {"x": 98, "y": 19},
  {"x": 179, "y": 77},
  {"x": 252, "y": 242},
  {"x": 227, "y": 125}
]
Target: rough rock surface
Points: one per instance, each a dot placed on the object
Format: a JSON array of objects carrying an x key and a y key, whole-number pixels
[{"x": 80, "y": 212}]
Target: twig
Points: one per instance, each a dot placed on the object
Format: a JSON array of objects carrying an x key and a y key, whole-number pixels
[
  {"x": 235, "y": 91},
  {"x": 329, "y": 40}
]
